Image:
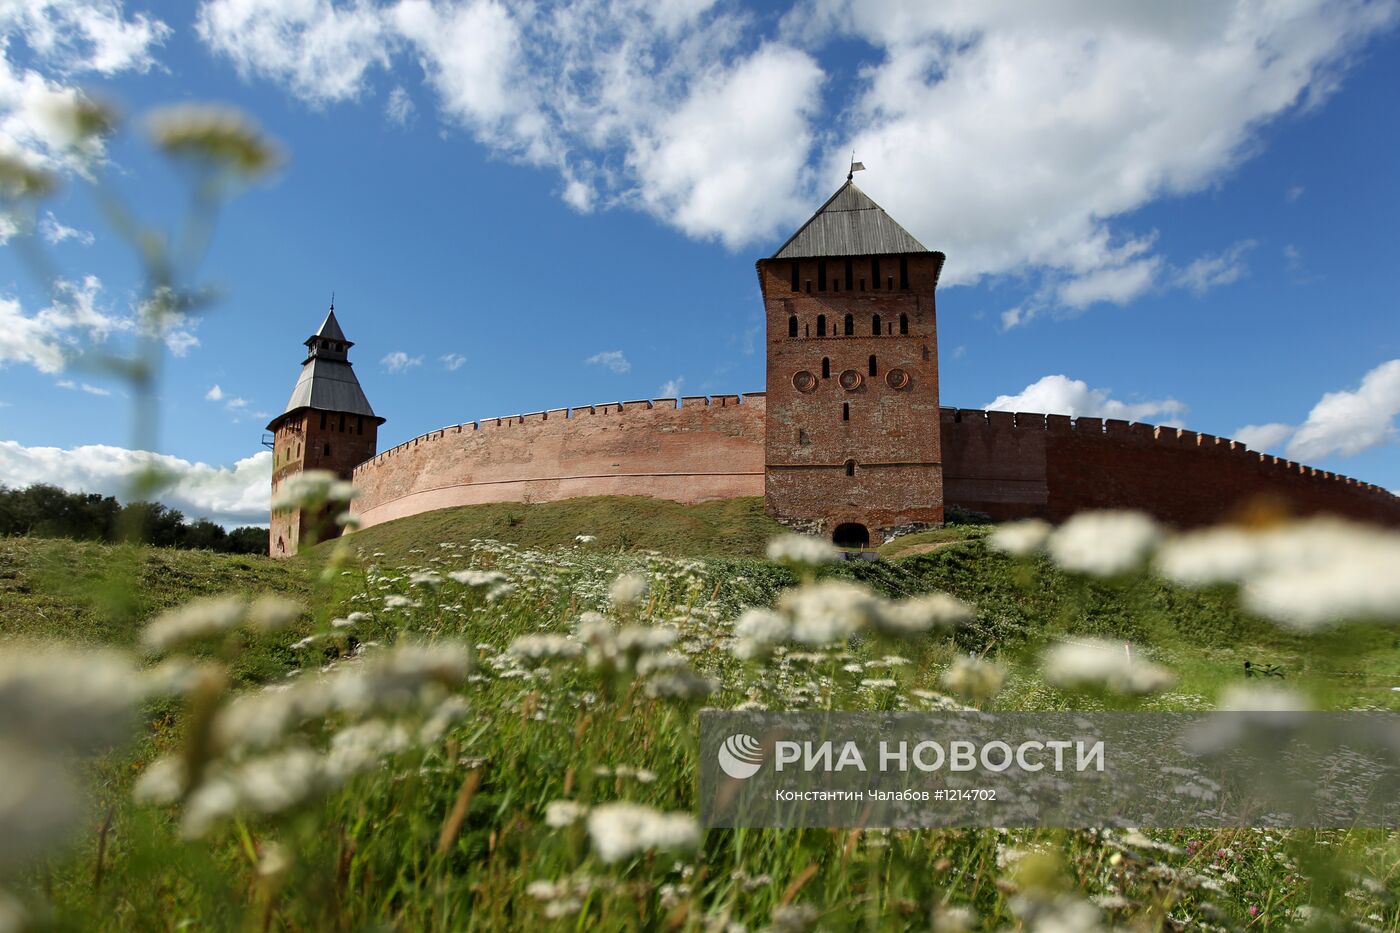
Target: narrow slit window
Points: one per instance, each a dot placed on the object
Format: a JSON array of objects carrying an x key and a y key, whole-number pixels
[
  {"x": 875, "y": 324},
  {"x": 845, "y": 411},
  {"x": 903, "y": 271},
  {"x": 342, "y": 424},
  {"x": 850, "y": 275},
  {"x": 872, "y": 365},
  {"x": 826, "y": 367},
  {"x": 328, "y": 450},
  {"x": 875, "y": 273},
  {"x": 904, "y": 325},
  {"x": 792, "y": 325},
  {"x": 323, "y": 419},
  {"x": 850, "y": 325},
  {"x": 796, "y": 283},
  {"x": 850, "y": 468},
  {"x": 821, "y": 325},
  {"x": 360, "y": 424},
  {"x": 821, "y": 275}
]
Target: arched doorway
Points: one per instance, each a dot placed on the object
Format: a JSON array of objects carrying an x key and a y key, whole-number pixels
[{"x": 851, "y": 535}]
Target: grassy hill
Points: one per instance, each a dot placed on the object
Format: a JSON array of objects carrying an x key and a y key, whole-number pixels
[{"x": 725, "y": 528}]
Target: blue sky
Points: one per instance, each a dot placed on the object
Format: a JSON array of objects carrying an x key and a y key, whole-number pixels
[{"x": 1182, "y": 215}]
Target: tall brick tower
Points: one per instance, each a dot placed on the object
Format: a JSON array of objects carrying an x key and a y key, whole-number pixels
[
  {"x": 852, "y": 444},
  {"x": 327, "y": 425}
]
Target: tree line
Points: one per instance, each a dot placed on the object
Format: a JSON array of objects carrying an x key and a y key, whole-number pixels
[{"x": 44, "y": 511}]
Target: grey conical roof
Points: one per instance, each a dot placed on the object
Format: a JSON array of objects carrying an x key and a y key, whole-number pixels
[
  {"x": 327, "y": 381},
  {"x": 849, "y": 224},
  {"x": 330, "y": 330}
]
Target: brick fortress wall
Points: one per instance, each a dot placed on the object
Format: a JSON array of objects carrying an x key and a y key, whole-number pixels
[
  {"x": 1051, "y": 466},
  {"x": 693, "y": 450}
]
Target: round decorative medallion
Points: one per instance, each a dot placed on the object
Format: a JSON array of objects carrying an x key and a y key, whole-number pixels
[
  {"x": 896, "y": 379},
  {"x": 804, "y": 381},
  {"x": 850, "y": 380}
]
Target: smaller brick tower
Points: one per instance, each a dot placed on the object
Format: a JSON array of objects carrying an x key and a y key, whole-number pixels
[
  {"x": 852, "y": 436},
  {"x": 327, "y": 425}
]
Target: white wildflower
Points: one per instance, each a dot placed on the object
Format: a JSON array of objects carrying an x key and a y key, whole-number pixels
[
  {"x": 273, "y": 613},
  {"x": 921, "y": 613},
  {"x": 621, "y": 830},
  {"x": 973, "y": 678},
  {"x": 1021, "y": 538},
  {"x": 634, "y": 639},
  {"x": 428, "y": 578},
  {"x": 311, "y": 489},
  {"x": 1262, "y": 698},
  {"x": 585, "y": 539},
  {"x": 162, "y": 782},
  {"x": 67, "y": 699},
  {"x": 627, "y": 590},
  {"x": 828, "y": 611},
  {"x": 757, "y": 630},
  {"x": 543, "y": 647},
  {"x": 478, "y": 578},
  {"x": 681, "y": 684},
  {"x": 202, "y": 618},
  {"x": 1213, "y": 555},
  {"x": 1103, "y": 543},
  {"x": 395, "y": 601},
  {"x": 1098, "y": 664},
  {"x": 39, "y": 805},
  {"x": 801, "y": 549},
  {"x": 561, "y": 813}
]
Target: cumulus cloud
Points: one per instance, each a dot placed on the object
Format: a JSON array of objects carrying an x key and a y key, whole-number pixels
[
  {"x": 399, "y": 108},
  {"x": 1347, "y": 422},
  {"x": 84, "y": 387},
  {"x": 237, "y": 494},
  {"x": 452, "y": 361},
  {"x": 610, "y": 359},
  {"x": 55, "y": 231},
  {"x": 1263, "y": 437},
  {"x": 399, "y": 361},
  {"x": 44, "y": 339},
  {"x": 215, "y": 393},
  {"x": 1060, "y": 395},
  {"x": 1211, "y": 271},
  {"x": 671, "y": 387}
]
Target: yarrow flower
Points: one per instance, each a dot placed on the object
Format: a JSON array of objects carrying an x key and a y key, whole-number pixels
[
  {"x": 973, "y": 678},
  {"x": 1105, "y": 665},
  {"x": 313, "y": 489},
  {"x": 621, "y": 830},
  {"x": 1021, "y": 538},
  {"x": 561, "y": 813},
  {"x": 202, "y": 618},
  {"x": 1103, "y": 544},
  {"x": 802, "y": 550},
  {"x": 627, "y": 590}
]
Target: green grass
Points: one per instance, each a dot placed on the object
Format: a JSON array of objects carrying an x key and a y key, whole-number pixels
[
  {"x": 724, "y": 528},
  {"x": 373, "y": 856}
]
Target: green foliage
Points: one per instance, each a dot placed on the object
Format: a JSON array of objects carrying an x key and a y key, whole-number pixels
[{"x": 45, "y": 511}]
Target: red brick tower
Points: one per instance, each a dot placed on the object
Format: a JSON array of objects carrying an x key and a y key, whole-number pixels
[
  {"x": 327, "y": 425},
  {"x": 852, "y": 427}
]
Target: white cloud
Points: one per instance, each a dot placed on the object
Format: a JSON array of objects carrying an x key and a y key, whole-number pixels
[
  {"x": 71, "y": 38},
  {"x": 1345, "y": 423},
  {"x": 1294, "y": 192},
  {"x": 1211, "y": 271},
  {"x": 452, "y": 361},
  {"x": 85, "y": 387},
  {"x": 671, "y": 387},
  {"x": 610, "y": 359},
  {"x": 1060, "y": 395},
  {"x": 55, "y": 231},
  {"x": 399, "y": 108},
  {"x": 214, "y": 394},
  {"x": 321, "y": 51},
  {"x": 1014, "y": 139},
  {"x": 1263, "y": 437},
  {"x": 44, "y": 339},
  {"x": 236, "y": 494},
  {"x": 399, "y": 361}
]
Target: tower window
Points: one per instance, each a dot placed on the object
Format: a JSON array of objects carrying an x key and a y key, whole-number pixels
[
  {"x": 821, "y": 325},
  {"x": 323, "y": 419},
  {"x": 904, "y": 325},
  {"x": 875, "y": 272},
  {"x": 328, "y": 450},
  {"x": 360, "y": 424},
  {"x": 875, "y": 324},
  {"x": 795, "y": 283},
  {"x": 821, "y": 275},
  {"x": 342, "y": 423},
  {"x": 826, "y": 367},
  {"x": 850, "y": 275},
  {"x": 845, "y": 411},
  {"x": 850, "y": 325},
  {"x": 792, "y": 325},
  {"x": 903, "y": 271},
  {"x": 850, "y": 468},
  {"x": 872, "y": 365}
]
